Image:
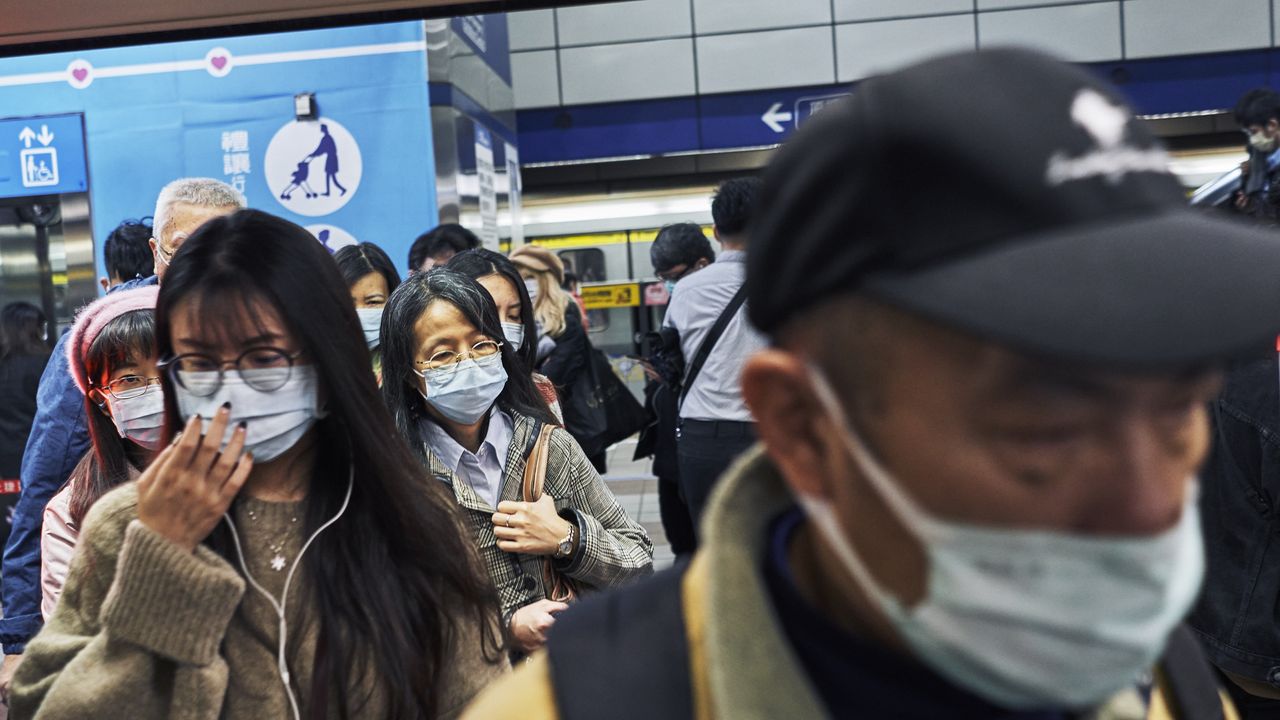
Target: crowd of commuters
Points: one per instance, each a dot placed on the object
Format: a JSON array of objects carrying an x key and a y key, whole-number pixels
[{"x": 917, "y": 464}]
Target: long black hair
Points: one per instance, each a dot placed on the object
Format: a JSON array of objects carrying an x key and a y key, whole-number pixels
[
  {"x": 479, "y": 263},
  {"x": 400, "y": 382},
  {"x": 356, "y": 261},
  {"x": 131, "y": 337},
  {"x": 22, "y": 330},
  {"x": 397, "y": 572}
]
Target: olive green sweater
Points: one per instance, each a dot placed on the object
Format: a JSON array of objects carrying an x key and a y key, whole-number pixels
[{"x": 146, "y": 630}]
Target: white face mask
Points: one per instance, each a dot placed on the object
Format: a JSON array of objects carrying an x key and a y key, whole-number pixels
[
  {"x": 371, "y": 322},
  {"x": 514, "y": 333},
  {"x": 465, "y": 393},
  {"x": 141, "y": 418},
  {"x": 1027, "y": 618},
  {"x": 531, "y": 285},
  {"x": 1260, "y": 141},
  {"x": 274, "y": 421}
]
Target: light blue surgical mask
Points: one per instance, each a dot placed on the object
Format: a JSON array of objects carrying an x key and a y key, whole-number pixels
[
  {"x": 514, "y": 333},
  {"x": 671, "y": 285},
  {"x": 464, "y": 392},
  {"x": 531, "y": 287},
  {"x": 371, "y": 323},
  {"x": 274, "y": 420},
  {"x": 1025, "y": 618}
]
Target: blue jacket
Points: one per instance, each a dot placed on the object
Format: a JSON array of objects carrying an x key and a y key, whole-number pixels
[{"x": 59, "y": 438}]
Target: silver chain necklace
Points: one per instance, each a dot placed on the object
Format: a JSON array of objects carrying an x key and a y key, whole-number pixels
[{"x": 278, "y": 560}]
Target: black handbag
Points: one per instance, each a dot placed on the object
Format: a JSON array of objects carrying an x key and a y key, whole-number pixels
[{"x": 600, "y": 410}]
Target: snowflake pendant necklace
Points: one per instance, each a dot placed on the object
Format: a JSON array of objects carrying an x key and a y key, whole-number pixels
[{"x": 278, "y": 560}]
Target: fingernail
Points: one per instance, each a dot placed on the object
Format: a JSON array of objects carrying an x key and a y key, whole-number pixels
[
  {"x": 226, "y": 405},
  {"x": 242, "y": 424},
  {"x": 196, "y": 417}
]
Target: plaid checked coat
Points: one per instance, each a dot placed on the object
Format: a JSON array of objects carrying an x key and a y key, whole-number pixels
[{"x": 613, "y": 548}]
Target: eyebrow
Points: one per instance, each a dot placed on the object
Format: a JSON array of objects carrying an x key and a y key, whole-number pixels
[{"x": 257, "y": 340}]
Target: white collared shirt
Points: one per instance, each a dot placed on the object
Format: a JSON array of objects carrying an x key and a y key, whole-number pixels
[
  {"x": 483, "y": 469},
  {"x": 695, "y": 306}
]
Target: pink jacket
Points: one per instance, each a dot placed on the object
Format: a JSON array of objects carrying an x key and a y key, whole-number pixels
[{"x": 57, "y": 545}]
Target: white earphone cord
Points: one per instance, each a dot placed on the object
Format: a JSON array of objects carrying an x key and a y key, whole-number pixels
[{"x": 280, "y": 606}]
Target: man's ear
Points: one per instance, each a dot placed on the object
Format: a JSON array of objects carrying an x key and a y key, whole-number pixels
[
  {"x": 105, "y": 283},
  {"x": 791, "y": 422},
  {"x": 1273, "y": 126}
]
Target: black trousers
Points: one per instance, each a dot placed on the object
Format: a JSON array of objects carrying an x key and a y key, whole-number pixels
[{"x": 706, "y": 449}]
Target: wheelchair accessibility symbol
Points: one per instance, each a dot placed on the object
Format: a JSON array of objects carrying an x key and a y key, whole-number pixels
[{"x": 39, "y": 167}]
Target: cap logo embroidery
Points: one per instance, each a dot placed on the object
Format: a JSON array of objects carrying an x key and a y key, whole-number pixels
[{"x": 1107, "y": 124}]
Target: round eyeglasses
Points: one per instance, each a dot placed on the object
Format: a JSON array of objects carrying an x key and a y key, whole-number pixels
[
  {"x": 130, "y": 386},
  {"x": 265, "y": 369},
  {"x": 446, "y": 361}
]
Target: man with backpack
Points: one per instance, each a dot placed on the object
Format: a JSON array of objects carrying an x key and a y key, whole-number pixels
[{"x": 716, "y": 338}]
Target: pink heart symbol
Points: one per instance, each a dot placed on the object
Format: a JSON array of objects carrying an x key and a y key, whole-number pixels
[
  {"x": 219, "y": 62},
  {"x": 80, "y": 74}
]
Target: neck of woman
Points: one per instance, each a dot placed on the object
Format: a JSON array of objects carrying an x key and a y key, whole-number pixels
[
  {"x": 286, "y": 478},
  {"x": 468, "y": 436}
]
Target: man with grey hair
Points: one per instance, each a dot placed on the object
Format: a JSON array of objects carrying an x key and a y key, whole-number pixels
[
  {"x": 60, "y": 435},
  {"x": 183, "y": 206}
]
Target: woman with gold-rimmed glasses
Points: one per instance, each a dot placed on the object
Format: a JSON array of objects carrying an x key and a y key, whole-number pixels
[{"x": 461, "y": 396}]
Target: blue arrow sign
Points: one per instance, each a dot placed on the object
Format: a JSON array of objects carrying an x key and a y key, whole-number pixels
[{"x": 42, "y": 156}]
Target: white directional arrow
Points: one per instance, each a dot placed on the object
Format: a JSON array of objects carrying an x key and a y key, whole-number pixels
[
  {"x": 26, "y": 136},
  {"x": 45, "y": 137},
  {"x": 774, "y": 117}
]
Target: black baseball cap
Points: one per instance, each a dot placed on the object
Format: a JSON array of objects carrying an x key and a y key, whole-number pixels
[{"x": 1015, "y": 197}]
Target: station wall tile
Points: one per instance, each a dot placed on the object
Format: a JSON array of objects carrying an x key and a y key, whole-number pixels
[
  {"x": 777, "y": 58},
  {"x": 627, "y": 71},
  {"x": 718, "y": 16},
  {"x": 869, "y": 48},
  {"x": 532, "y": 29},
  {"x": 535, "y": 79},
  {"x": 1182, "y": 27},
  {"x": 1079, "y": 33},
  {"x": 624, "y": 22},
  {"x": 856, "y": 10}
]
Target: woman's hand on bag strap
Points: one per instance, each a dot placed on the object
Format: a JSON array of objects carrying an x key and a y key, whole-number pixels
[{"x": 534, "y": 528}]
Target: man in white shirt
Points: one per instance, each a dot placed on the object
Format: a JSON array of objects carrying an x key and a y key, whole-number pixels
[{"x": 715, "y": 424}]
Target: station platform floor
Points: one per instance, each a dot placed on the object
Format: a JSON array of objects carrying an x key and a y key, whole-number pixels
[{"x": 637, "y": 490}]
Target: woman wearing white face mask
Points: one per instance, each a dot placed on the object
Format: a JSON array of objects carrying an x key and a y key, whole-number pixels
[
  {"x": 112, "y": 357},
  {"x": 502, "y": 280},
  {"x": 284, "y": 555},
  {"x": 371, "y": 278},
  {"x": 460, "y": 395}
]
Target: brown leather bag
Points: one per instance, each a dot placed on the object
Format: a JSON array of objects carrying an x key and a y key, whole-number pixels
[{"x": 559, "y": 587}]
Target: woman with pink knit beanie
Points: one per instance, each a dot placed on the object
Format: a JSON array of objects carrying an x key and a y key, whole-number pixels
[{"x": 112, "y": 356}]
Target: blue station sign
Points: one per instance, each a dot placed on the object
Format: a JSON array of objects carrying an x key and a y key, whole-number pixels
[{"x": 42, "y": 156}]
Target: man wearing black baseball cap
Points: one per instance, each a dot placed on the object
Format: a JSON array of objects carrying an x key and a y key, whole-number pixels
[{"x": 980, "y": 426}]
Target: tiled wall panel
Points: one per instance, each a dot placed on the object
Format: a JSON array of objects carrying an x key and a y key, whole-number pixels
[{"x": 644, "y": 49}]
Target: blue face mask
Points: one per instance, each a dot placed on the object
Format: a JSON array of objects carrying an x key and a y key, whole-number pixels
[
  {"x": 671, "y": 285},
  {"x": 514, "y": 333},
  {"x": 371, "y": 323},
  {"x": 464, "y": 392}
]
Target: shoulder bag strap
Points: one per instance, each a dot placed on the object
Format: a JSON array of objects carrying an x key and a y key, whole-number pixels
[
  {"x": 1188, "y": 682},
  {"x": 557, "y": 586},
  {"x": 709, "y": 342},
  {"x": 535, "y": 464}
]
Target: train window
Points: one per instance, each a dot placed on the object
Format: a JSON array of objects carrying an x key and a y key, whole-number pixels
[{"x": 587, "y": 264}]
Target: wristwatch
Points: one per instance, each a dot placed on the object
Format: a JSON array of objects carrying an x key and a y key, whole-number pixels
[{"x": 565, "y": 549}]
